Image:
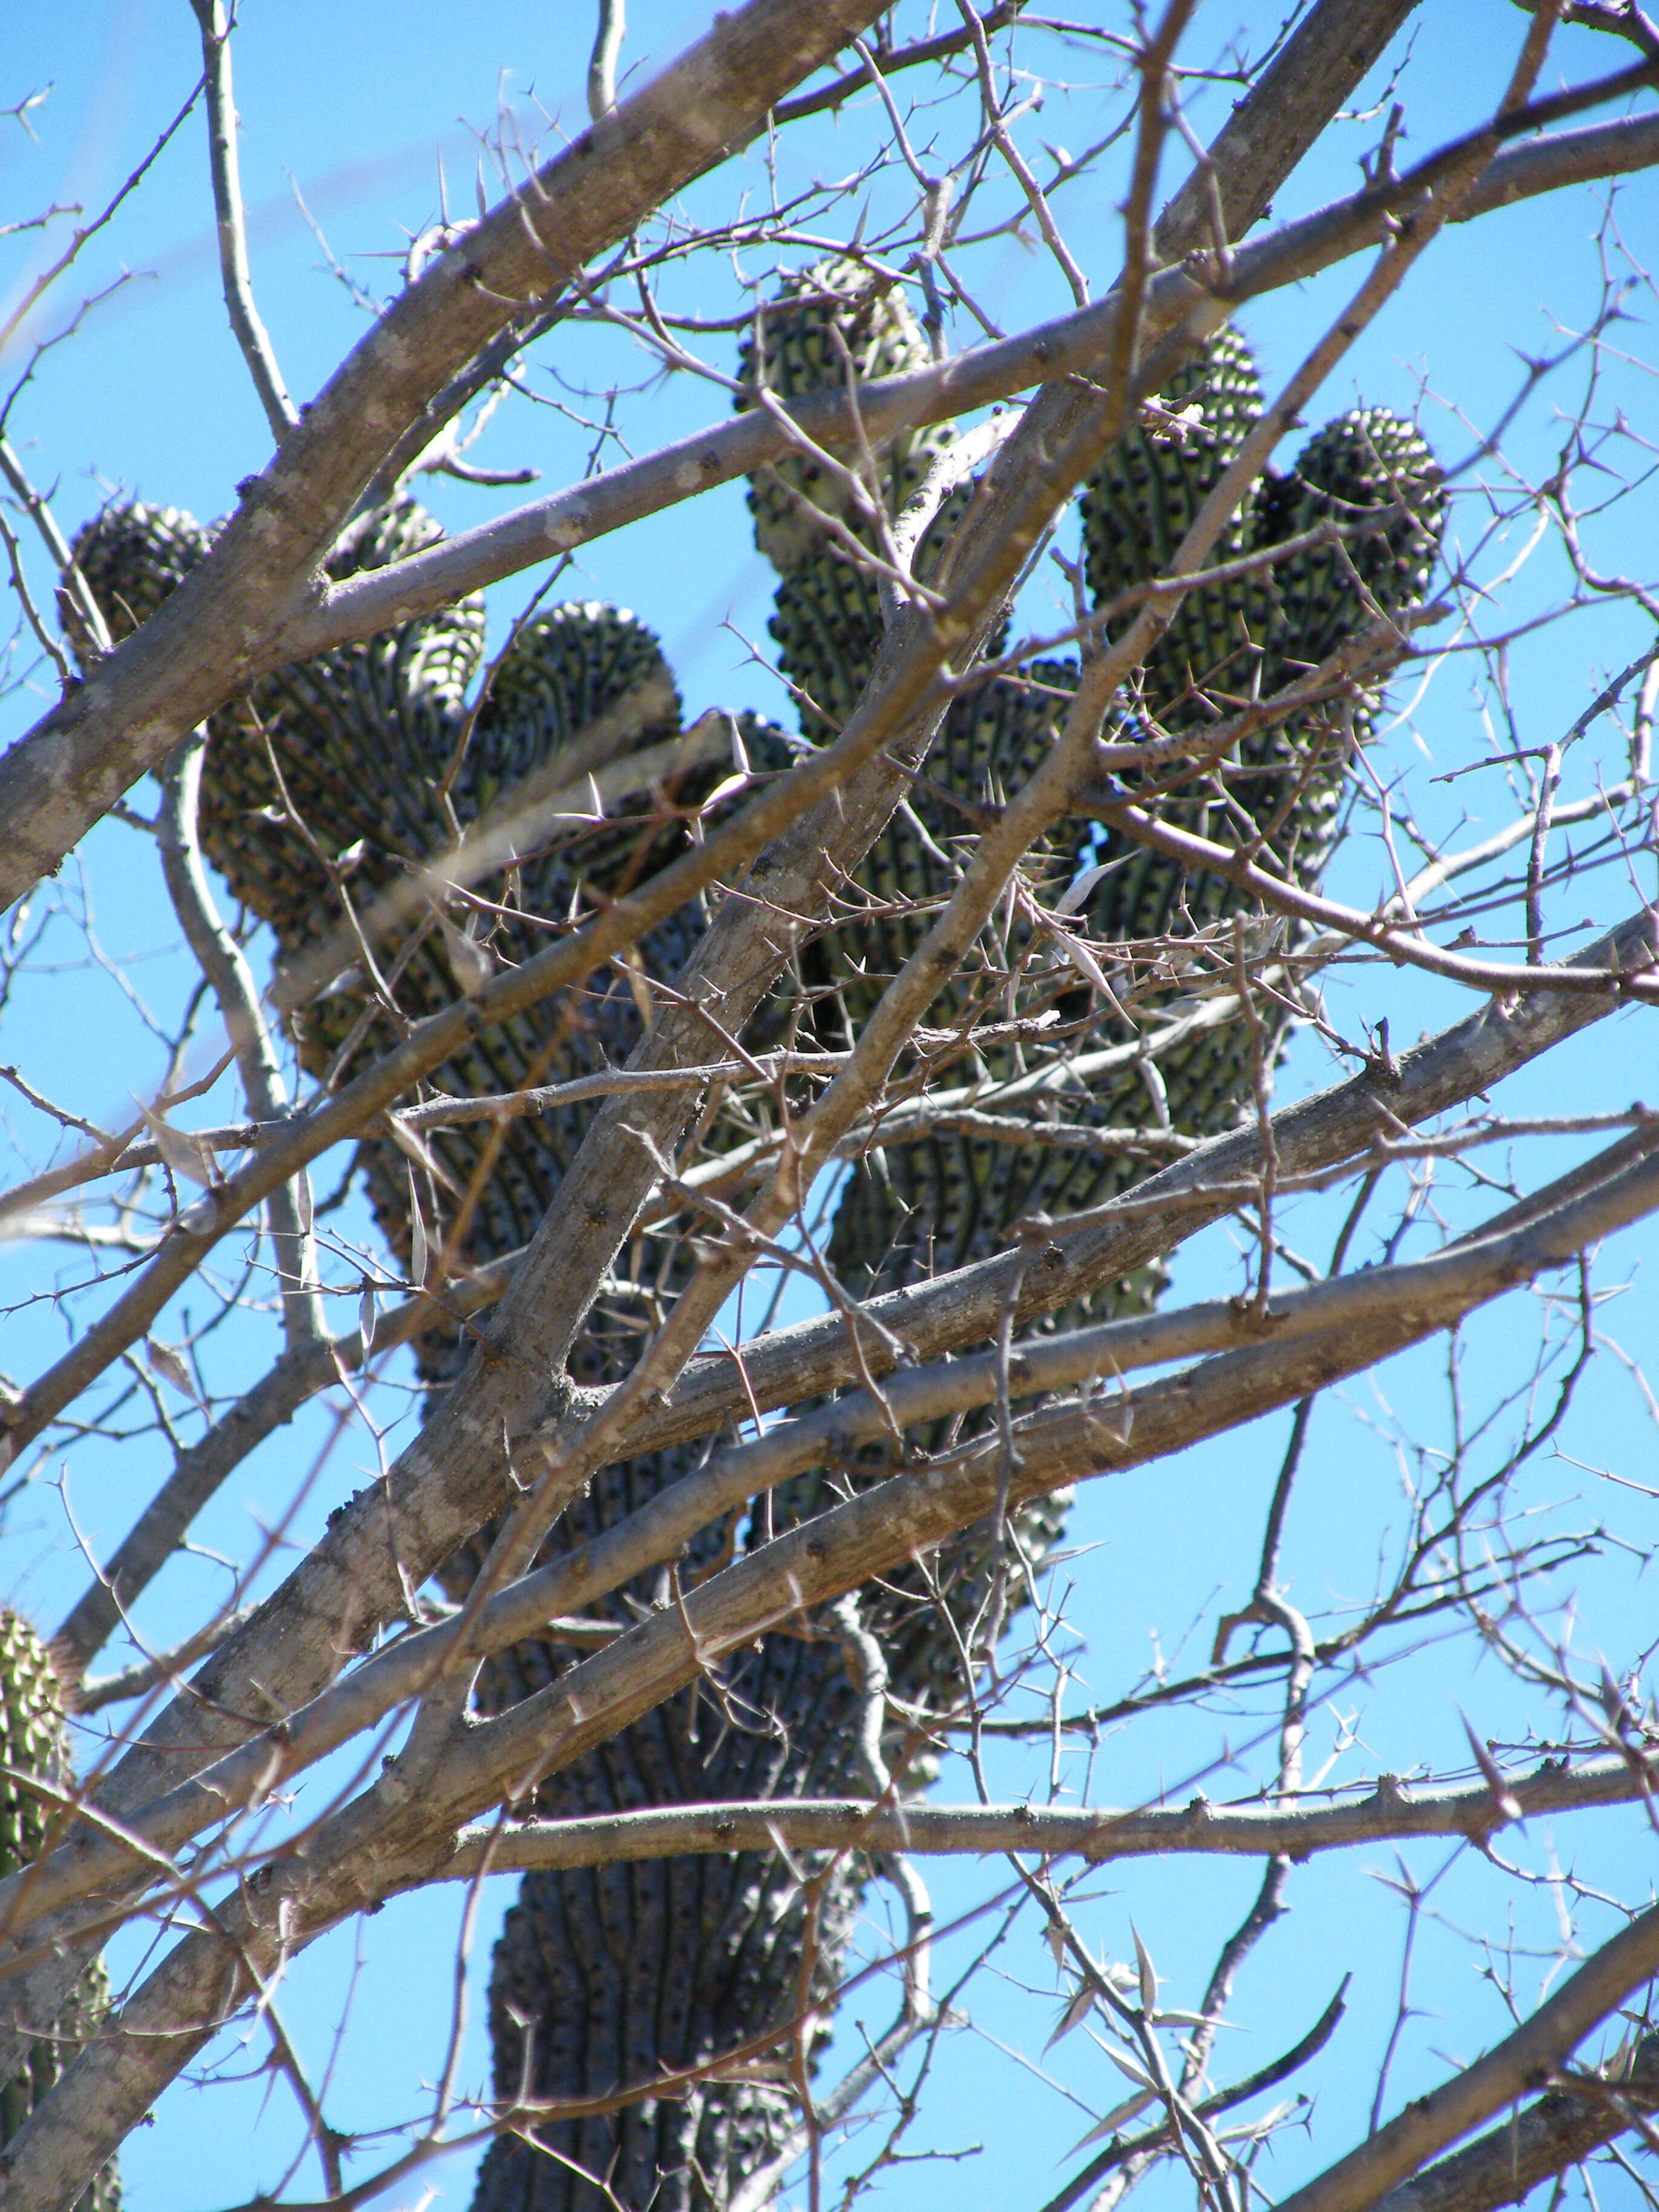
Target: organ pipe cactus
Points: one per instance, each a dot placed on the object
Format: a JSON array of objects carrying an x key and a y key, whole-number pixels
[{"x": 334, "y": 775}]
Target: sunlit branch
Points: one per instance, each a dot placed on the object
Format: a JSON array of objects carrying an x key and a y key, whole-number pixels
[
  {"x": 1392, "y": 1811},
  {"x": 200, "y": 648},
  {"x": 250, "y": 332}
]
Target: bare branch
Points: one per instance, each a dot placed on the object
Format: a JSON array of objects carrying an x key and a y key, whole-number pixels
[
  {"x": 1391, "y": 1812},
  {"x": 353, "y": 1856},
  {"x": 250, "y": 332},
  {"x": 200, "y": 1467},
  {"x": 602, "y": 70},
  {"x": 914, "y": 55},
  {"x": 222, "y": 963},
  {"x": 1364, "y": 1317},
  {"x": 1076, "y": 1257},
  {"x": 1536, "y": 2052},
  {"x": 1352, "y": 927},
  {"x": 1546, "y": 2138}
]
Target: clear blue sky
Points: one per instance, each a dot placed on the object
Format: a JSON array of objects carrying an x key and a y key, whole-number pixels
[{"x": 363, "y": 109}]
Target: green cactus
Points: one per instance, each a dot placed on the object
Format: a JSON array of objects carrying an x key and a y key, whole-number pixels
[
  {"x": 927, "y": 1206},
  {"x": 34, "y": 1741},
  {"x": 832, "y": 316},
  {"x": 1259, "y": 632},
  {"x": 1365, "y": 460},
  {"x": 693, "y": 1944},
  {"x": 826, "y": 610},
  {"x": 1143, "y": 496},
  {"x": 614, "y": 1971},
  {"x": 939, "y": 1203},
  {"x": 364, "y": 740}
]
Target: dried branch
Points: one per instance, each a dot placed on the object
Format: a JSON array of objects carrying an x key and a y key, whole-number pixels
[
  {"x": 779, "y": 809},
  {"x": 95, "y": 729},
  {"x": 36, "y": 289},
  {"x": 441, "y": 1113},
  {"x": 1349, "y": 927},
  {"x": 914, "y": 55},
  {"x": 953, "y": 1310},
  {"x": 1561, "y": 2130},
  {"x": 662, "y": 1158},
  {"x": 1531, "y": 2055},
  {"x": 1324, "y": 49},
  {"x": 602, "y": 68},
  {"x": 354, "y": 1854},
  {"x": 1366, "y": 1317},
  {"x": 200, "y": 1467},
  {"x": 1078, "y": 1256},
  {"x": 39, "y": 510},
  {"x": 220, "y": 960}
]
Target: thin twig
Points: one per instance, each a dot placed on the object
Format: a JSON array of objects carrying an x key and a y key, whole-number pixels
[
  {"x": 602, "y": 68},
  {"x": 222, "y": 963},
  {"x": 216, "y": 23}
]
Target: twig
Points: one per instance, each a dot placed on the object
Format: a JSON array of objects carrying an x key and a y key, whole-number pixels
[
  {"x": 39, "y": 510},
  {"x": 962, "y": 1307},
  {"x": 1017, "y": 161},
  {"x": 1131, "y": 2154},
  {"x": 903, "y": 58},
  {"x": 37, "y": 289},
  {"x": 20, "y": 584},
  {"x": 96, "y": 1690},
  {"x": 1366, "y": 930},
  {"x": 1545, "y": 2138},
  {"x": 250, "y": 332},
  {"x": 602, "y": 68},
  {"x": 1365, "y": 1317},
  {"x": 222, "y": 963},
  {"x": 200, "y": 1467},
  {"x": 1547, "y": 783},
  {"x": 1623, "y": 18}
]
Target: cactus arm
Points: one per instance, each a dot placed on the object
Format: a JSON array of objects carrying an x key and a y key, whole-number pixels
[{"x": 34, "y": 1741}]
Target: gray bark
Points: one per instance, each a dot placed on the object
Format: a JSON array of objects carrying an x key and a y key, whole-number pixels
[{"x": 1538, "y": 2142}]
